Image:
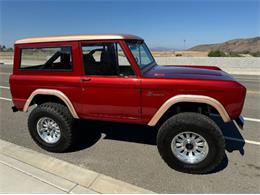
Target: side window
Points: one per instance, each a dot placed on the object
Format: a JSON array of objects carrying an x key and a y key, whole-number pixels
[
  {"x": 105, "y": 59},
  {"x": 55, "y": 58}
]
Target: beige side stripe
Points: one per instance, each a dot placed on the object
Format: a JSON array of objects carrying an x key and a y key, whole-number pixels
[
  {"x": 53, "y": 92},
  {"x": 189, "y": 98}
]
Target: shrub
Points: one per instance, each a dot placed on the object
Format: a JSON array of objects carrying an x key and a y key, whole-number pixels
[
  {"x": 256, "y": 54},
  {"x": 245, "y": 52},
  {"x": 234, "y": 54},
  {"x": 216, "y": 53}
]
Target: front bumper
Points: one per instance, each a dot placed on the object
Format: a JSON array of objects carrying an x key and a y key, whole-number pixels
[{"x": 240, "y": 121}]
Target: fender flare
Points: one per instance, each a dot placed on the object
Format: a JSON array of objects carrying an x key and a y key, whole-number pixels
[
  {"x": 52, "y": 92},
  {"x": 190, "y": 98}
]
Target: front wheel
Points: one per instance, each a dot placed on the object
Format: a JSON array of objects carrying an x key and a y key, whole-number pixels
[{"x": 191, "y": 142}]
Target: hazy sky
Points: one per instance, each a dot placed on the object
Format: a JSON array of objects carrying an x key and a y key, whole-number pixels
[{"x": 160, "y": 23}]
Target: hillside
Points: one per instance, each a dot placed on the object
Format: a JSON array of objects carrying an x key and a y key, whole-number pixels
[{"x": 251, "y": 45}]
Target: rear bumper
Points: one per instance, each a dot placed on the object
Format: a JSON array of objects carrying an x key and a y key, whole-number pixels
[
  {"x": 14, "y": 109},
  {"x": 240, "y": 121}
]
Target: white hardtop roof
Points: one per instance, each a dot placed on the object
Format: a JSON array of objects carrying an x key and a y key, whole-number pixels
[{"x": 77, "y": 38}]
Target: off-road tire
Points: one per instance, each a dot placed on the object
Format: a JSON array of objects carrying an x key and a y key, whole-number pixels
[
  {"x": 196, "y": 123},
  {"x": 61, "y": 115}
]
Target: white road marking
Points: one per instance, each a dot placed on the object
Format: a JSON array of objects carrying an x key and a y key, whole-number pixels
[
  {"x": 245, "y": 118},
  {"x": 5, "y": 73},
  {"x": 253, "y": 92},
  {"x": 252, "y": 119},
  {"x": 4, "y": 87},
  {"x": 2, "y": 98},
  {"x": 240, "y": 140}
]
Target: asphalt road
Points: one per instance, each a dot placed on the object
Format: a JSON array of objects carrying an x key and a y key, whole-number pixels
[{"x": 128, "y": 152}]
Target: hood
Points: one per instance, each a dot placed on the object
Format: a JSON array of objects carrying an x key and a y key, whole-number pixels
[{"x": 190, "y": 72}]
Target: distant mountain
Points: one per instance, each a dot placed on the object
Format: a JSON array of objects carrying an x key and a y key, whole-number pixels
[{"x": 250, "y": 45}]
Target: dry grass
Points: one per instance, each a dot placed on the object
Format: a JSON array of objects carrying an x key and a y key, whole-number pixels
[{"x": 180, "y": 53}]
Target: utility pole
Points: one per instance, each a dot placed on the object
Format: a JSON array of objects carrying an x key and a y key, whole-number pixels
[{"x": 184, "y": 43}]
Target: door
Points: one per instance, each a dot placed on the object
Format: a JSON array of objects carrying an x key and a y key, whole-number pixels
[{"x": 110, "y": 88}]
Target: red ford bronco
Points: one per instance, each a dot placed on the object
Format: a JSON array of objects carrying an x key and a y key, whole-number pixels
[{"x": 115, "y": 78}]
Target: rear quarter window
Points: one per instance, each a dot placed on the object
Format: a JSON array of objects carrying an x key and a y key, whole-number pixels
[{"x": 53, "y": 58}]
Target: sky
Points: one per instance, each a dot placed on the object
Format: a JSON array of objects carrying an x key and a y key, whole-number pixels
[{"x": 161, "y": 23}]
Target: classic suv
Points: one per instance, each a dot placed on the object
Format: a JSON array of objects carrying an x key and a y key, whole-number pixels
[{"x": 115, "y": 78}]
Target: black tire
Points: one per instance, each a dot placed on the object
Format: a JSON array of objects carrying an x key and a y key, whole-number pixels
[
  {"x": 61, "y": 115},
  {"x": 199, "y": 124}
]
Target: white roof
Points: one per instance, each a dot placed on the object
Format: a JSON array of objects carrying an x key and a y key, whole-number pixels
[{"x": 77, "y": 38}]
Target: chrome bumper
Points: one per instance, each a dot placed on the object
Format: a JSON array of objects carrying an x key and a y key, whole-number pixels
[{"x": 240, "y": 121}]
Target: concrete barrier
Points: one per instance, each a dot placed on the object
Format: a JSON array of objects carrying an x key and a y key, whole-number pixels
[{"x": 232, "y": 65}]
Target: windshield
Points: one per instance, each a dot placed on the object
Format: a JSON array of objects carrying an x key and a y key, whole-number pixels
[{"x": 141, "y": 53}]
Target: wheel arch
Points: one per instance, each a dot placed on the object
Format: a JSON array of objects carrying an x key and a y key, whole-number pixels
[
  {"x": 197, "y": 99},
  {"x": 51, "y": 93}
]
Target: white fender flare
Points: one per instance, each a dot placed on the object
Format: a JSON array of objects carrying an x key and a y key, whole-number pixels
[
  {"x": 53, "y": 92},
  {"x": 190, "y": 98}
]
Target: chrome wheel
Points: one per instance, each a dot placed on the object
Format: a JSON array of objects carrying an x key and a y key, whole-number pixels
[
  {"x": 189, "y": 147},
  {"x": 48, "y": 130}
]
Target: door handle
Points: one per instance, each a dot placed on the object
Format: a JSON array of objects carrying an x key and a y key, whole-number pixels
[{"x": 85, "y": 79}]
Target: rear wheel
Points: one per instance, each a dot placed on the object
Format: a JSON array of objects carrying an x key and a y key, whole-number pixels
[
  {"x": 191, "y": 142},
  {"x": 50, "y": 126}
]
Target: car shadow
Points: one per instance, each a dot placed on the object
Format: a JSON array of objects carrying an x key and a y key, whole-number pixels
[
  {"x": 89, "y": 132},
  {"x": 233, "y": 138}
]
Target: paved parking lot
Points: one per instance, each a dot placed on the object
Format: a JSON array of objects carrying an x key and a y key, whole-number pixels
[{"x": 128, "y": 152}]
